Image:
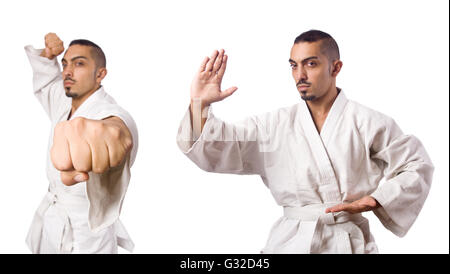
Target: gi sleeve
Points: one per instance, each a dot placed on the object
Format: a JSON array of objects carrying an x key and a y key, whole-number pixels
[
  {"x": 223, "y": 147},
  {"x": 106, "y": 191},
  {"x": 408, "y": 172},
  {"x": 47, "y": 81}
]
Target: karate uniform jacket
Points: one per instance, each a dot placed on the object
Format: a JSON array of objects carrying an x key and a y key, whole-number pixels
[{"x": 307, "y": 171}]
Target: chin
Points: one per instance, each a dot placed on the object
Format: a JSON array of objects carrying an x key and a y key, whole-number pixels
[
  {"x": 307, "y": 97},
  {"x": 71, "y": 94}
]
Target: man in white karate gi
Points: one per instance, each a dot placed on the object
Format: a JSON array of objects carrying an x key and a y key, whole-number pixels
[
  {"x": 92, "y": 145},
  {"x": 322, "y": 158}
]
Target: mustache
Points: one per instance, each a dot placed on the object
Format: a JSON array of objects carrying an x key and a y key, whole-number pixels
[
  {"x": 70, "y": 79},
  {"x": 303, "y": 82}
]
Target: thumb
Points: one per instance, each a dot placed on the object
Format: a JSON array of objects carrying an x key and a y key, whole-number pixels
[
  {"x": 224, "y": 94},
  {"x": 70, "y": 178}
]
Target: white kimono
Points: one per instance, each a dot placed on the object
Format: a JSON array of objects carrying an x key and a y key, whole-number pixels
[
  {"x": 307, "y": 172},
  {"x": 83, "y": 218}
]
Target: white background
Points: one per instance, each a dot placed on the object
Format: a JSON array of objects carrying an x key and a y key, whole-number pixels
[{"x": 395, "y": 56}]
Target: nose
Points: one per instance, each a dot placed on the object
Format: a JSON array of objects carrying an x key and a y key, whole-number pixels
[
  {"x": 300, "y": 74},
  {"x": 68, "y": 72}
]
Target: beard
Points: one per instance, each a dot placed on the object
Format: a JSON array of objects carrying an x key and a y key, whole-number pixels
[
  {"x": 308, "y": 98},
  {"x": 303, "y": 94},
  {"x": 70, "y": 94}
]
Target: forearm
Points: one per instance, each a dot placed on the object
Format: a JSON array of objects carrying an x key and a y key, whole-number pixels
[{"x": 198, "y": 116}]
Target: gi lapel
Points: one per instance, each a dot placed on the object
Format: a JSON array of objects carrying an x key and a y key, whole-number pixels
[
  {"x": 328, "y": 185},
  {"x": 85, "y": 109},
  {"x": 333, "y": 117}
]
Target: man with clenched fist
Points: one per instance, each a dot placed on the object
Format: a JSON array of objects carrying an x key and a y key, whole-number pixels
[{"x": 93, "y": 143}]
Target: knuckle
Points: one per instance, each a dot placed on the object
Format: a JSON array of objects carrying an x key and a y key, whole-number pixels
[
  {"x": 128, "y": 144},
  {"x": 74, "y": 121},
  {"x": 96, "y": 130},
  {"x": 78, "y": 120},
  {"x": 77, "y": 123},
  {"x": 114, "y": 132}
]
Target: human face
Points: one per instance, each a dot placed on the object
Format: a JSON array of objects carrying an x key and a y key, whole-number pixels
[
  {"x": 80, "y": 74},
  {"x": 311, "y": 70}
]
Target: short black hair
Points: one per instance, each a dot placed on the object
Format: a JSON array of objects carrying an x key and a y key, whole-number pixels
[
  {"x": 96, "y": 52},
  {"x": 329, "y": 47}
]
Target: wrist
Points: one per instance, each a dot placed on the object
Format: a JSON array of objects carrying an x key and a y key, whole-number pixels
[
  {"x": 46, "y": 55},
  {"x": 374, "y": 203},
  {"x": 197, "y": 101}
]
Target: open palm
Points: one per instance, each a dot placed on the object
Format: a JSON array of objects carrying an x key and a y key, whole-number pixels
[
  {"x": 366, "y": 203},
  {"x": 208, "y": 79}
]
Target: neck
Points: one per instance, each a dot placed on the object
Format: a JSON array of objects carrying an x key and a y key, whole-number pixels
[
  {"x": 321, "y": 106},
  {"x": 78, "y": 101}
]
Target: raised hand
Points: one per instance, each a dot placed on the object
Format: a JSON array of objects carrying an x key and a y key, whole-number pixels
[
  {"x": 366, "y": 203},
  {"x": 82, "y": 145},
  {"x": 208, "y": 79},
  {"x": 53, "y": 46}
]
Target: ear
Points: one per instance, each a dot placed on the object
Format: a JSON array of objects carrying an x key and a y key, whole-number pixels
[
  {"x": 337, "y": 65},
  {"x": 100, "y": 74}
]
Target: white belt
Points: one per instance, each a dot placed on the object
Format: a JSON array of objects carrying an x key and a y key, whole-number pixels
[
  {"x": 34, "y": 236},
  {"x": 35, "y": 233},
  {"x": 316, "y": 213}
]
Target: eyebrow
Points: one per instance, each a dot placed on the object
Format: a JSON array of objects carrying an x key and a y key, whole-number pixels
[
  {"x": 304, "y": 60},
  {"x": 75, "y": 58}
]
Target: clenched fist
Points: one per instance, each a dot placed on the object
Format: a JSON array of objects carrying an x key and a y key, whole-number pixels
[
  {"x": 53, "y": 46},
  {"x": 82, "y": 145}
]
